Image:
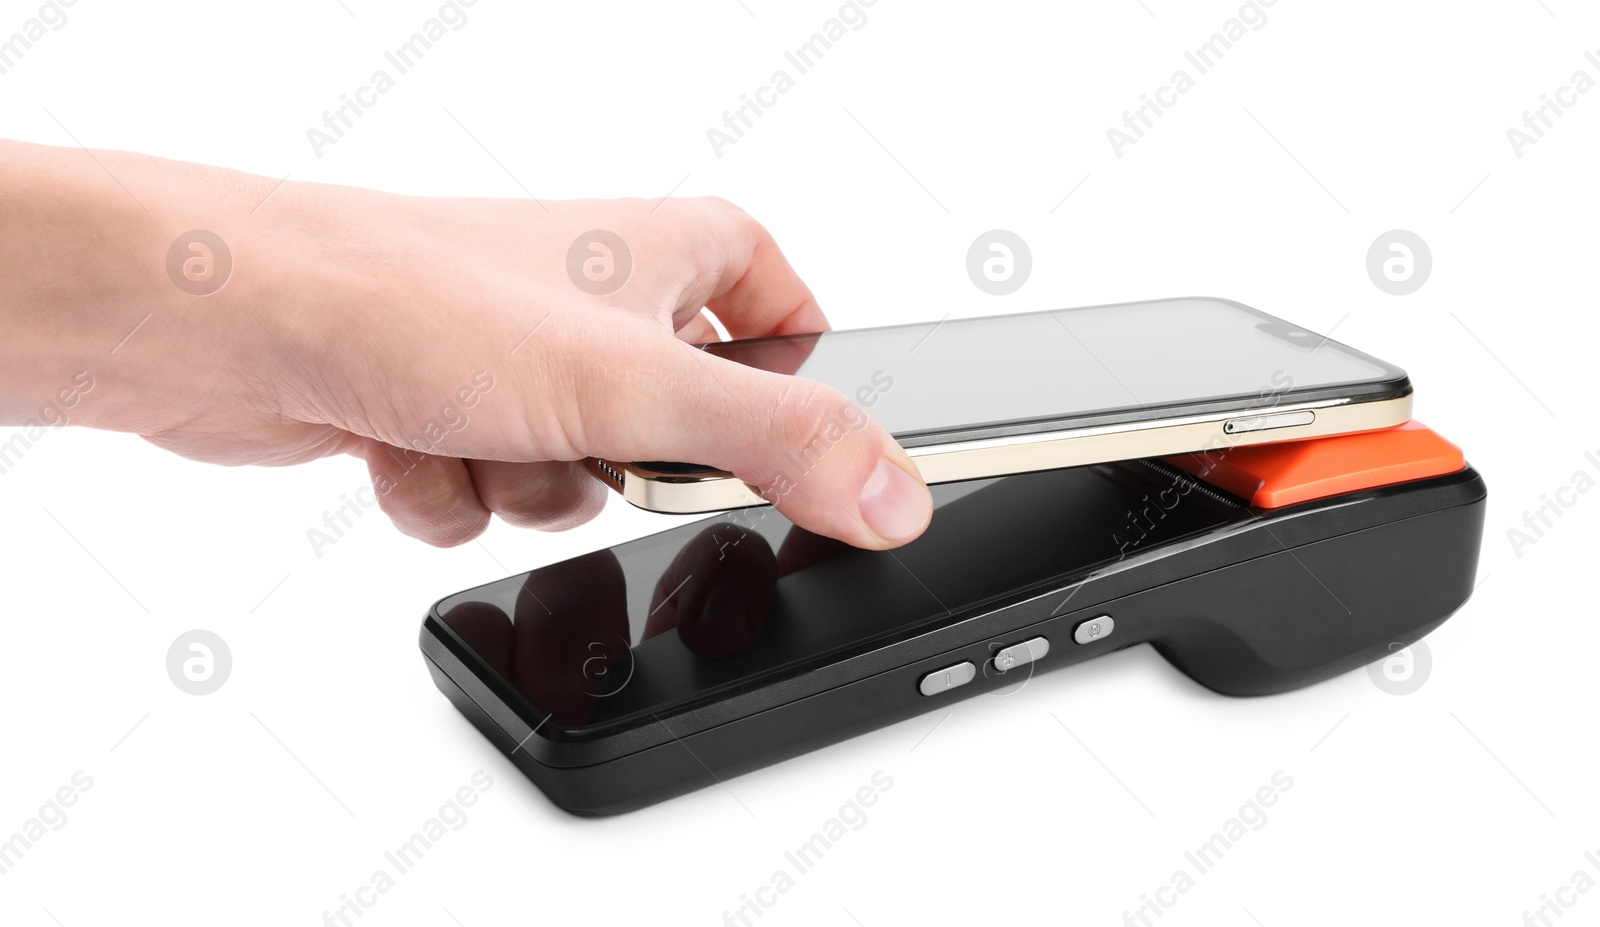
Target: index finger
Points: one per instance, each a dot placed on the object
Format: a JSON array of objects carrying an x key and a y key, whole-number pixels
[{"x": 757, "y": 293}]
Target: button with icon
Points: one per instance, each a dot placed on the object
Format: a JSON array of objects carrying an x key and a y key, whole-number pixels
[
  {"x": 943, "y": 680},
  {"x": 1018, "y": 654},
  {"x": 1094, "y": 629}
]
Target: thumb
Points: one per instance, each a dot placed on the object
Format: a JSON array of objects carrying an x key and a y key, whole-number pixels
[{"x": 821, "y": 460}]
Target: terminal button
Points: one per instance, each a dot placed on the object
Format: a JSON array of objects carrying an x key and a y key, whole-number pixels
[
  {"x": 1274, "y": 475},
  {"x": 1094, "y": 629},
  {"x": 943, "y": 680},
  {"x": 1019, "y": 654}
]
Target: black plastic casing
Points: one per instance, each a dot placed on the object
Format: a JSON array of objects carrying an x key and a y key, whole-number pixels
[{"x": 1270, "y": 601}]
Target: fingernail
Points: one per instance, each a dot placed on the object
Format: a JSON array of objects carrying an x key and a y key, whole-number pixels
[{"x": 894, "y": 504}]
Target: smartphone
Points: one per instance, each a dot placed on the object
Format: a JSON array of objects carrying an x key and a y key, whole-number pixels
[{"x": 983, "y": 397}]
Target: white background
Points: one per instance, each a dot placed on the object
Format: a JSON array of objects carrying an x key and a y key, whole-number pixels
[{"x": 1464, "y": 802}]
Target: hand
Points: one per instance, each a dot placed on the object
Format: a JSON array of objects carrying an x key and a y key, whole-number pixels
[{"x": 443, "y": 340}]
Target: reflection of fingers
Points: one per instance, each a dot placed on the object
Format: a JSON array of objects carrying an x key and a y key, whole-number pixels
[
  {"x": 486, "y": 629},
  {"x": 802, "y": 549},
  {"x": 572, "y": 635},
  {"x": 429, "y": 498},
  {"x": 717, "y": 592},
  {"x": 551, "y": 495},
  {"x": 699, "y": 330}
]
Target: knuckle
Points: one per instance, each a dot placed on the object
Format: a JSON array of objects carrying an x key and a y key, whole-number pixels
[
  {"x": 521, "y": 499},
  {"x": 458, "y": 522},
  {"x": 552, "y": 502},
  {"x": 571, "y": 510},
  {"x": 734, "y": 217},
  {"x": 422, "y": 495},
  {"x": 809, "y": 418},
  {"x": 432, "y": 511},
  {"x": 723, "y": 207},
  {"x": 794, "y": 409}
]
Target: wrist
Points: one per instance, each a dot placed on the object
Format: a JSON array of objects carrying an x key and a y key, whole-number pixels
[{"x": 116, "y": 316}]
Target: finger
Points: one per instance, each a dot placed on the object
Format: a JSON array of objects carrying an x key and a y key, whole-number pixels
[
  {"x": 427, "y": 497},
  {"x": 698, "y": 330},
  {"x": 809, "y": 450},
  {"x": 757, "y": 293},
  {"x": 551, "y": 495}
]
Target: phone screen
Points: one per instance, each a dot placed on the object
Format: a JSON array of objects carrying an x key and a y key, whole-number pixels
[{"x": 973, "y": 374}]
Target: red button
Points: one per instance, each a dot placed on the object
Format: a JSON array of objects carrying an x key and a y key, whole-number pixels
[{"x": 1274, "y": 475}]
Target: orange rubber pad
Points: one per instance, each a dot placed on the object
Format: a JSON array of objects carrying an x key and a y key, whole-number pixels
[{"x": 1271, "y": 476}]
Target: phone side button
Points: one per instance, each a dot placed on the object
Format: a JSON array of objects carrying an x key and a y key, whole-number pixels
[
  {"x": 1235, "y": 426},
  {"x": 943, "y": 680}
]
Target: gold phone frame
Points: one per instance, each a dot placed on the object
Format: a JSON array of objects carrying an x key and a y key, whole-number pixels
[{"x": 716, "y": 491}]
